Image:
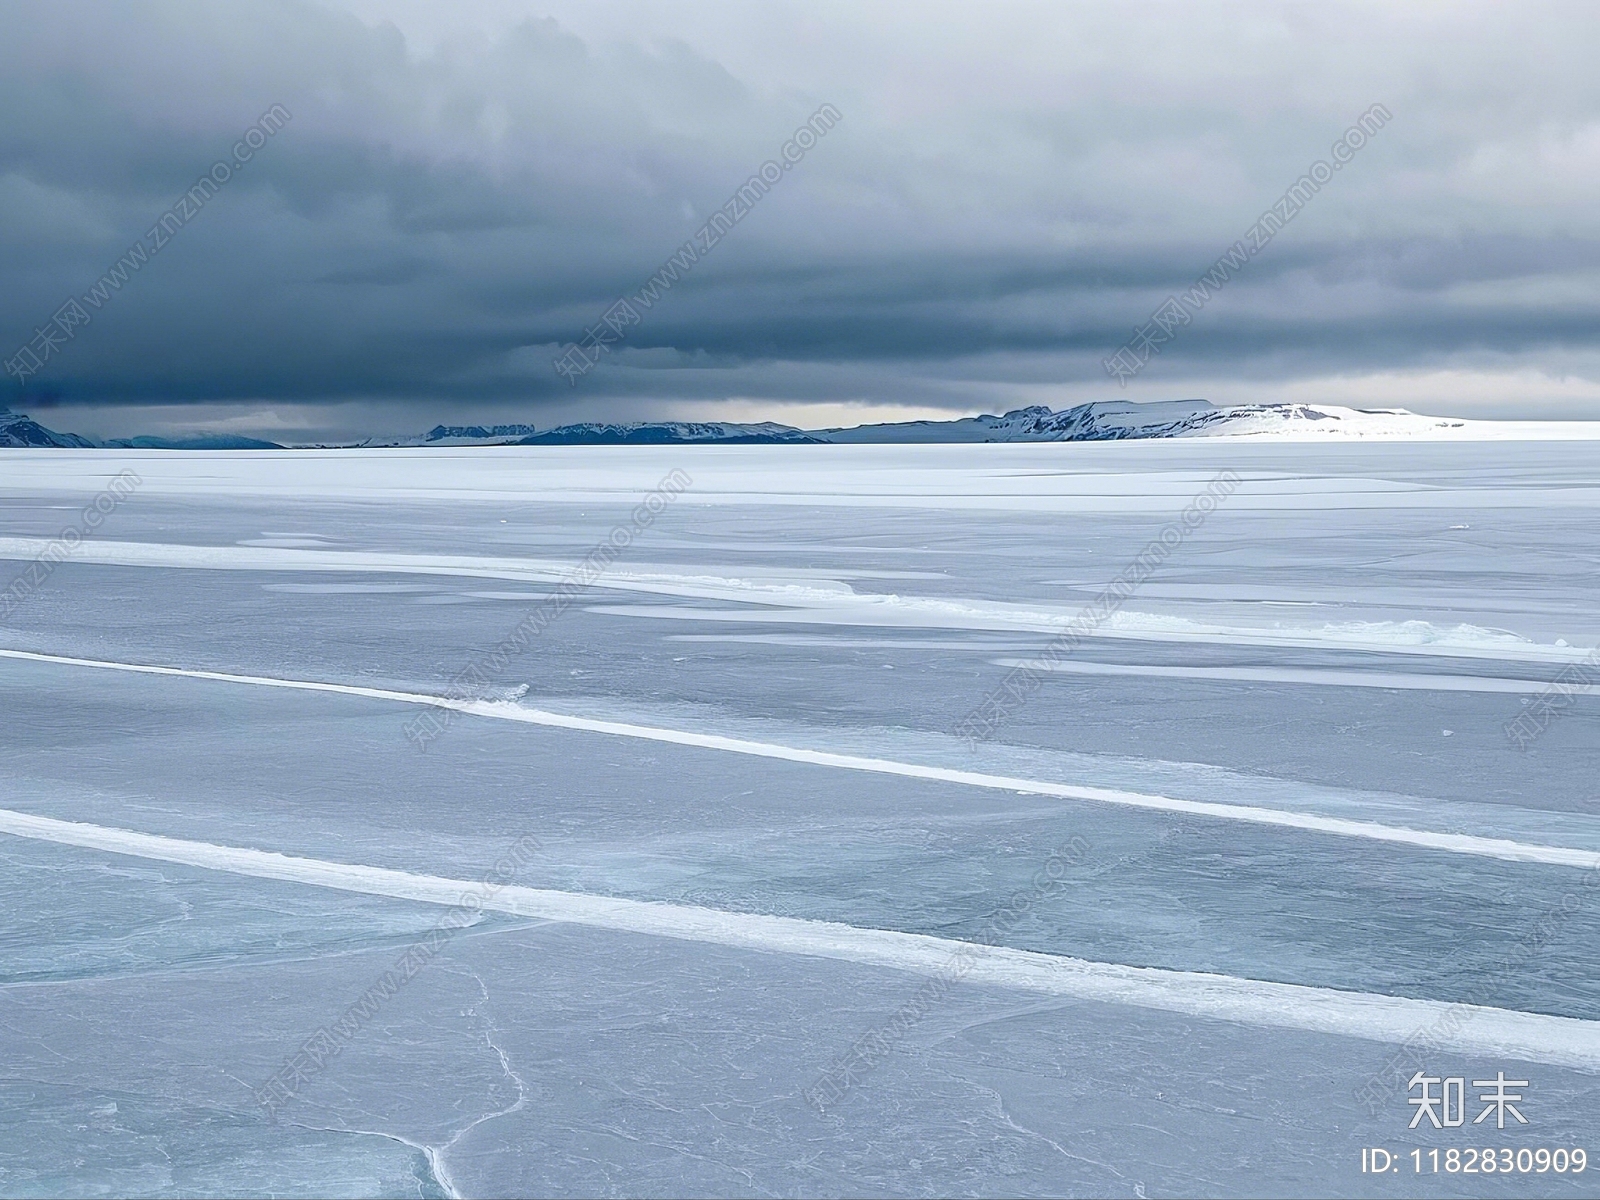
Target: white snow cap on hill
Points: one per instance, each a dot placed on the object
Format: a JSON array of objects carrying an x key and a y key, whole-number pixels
[
  {"x": 16, "y": 429},
  {"x": 1101, "y": 421},
  {"x": 1113, "y": 420}
]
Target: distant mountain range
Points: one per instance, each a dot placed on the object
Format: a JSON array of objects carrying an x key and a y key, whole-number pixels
[
  {"x": 1101, "y": 421},
  {"x": 1117, "y": 420},
  {"x": 591, "y": 433},
  {"x": 18, "y": 430}
]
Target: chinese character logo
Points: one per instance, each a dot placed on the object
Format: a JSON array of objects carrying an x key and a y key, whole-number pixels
[
  {"x": 1499, "y": 1100},
  {"x": 1439, "y": 1108},
  {"x": 1446, "y": 1107}
]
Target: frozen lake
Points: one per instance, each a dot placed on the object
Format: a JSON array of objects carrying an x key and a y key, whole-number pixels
[{"x": 771, "y": 918}]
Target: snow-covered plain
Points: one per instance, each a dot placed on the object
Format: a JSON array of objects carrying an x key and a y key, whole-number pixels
[{"x": 1302, "y": 836}]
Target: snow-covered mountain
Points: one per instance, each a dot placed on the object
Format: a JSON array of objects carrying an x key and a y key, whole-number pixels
[
  {"x": 1101, "y": 421},
  {"x": 199, "y": 441},
  {"x": 17, "y": 429},
  {"x": 597, "y": 433},
  {"x": 655, "y": 433},
  {"x": 1116, "y": 420},
  {"x": 469, "y": 435}
]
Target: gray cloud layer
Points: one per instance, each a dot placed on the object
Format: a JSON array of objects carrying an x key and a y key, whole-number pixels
[{"x": 461, "y": 190}]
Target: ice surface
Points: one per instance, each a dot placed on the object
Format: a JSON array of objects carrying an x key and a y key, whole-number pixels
[{"x": 1346, "y": 637}]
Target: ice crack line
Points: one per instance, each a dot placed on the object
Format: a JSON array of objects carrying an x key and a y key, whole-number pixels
[
  {"x": 1489, "y": 1032},
  {"x": 441, "y": 1171},
  {"x": 1426, "y": 839}
]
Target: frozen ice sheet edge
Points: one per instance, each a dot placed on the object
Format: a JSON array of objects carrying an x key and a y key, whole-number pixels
[
  {"x": 1455, "y": 843},
  {"x": 1490, "y": 1032}
]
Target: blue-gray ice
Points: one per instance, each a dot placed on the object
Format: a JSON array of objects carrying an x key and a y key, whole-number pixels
[{"x": 1183, "y": 921}]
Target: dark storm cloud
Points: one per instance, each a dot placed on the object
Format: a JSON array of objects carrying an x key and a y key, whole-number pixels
[{"x": 999, "y": 205}]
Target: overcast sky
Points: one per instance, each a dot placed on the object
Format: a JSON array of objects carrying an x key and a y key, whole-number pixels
[{"x": 462, "y": 189}]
